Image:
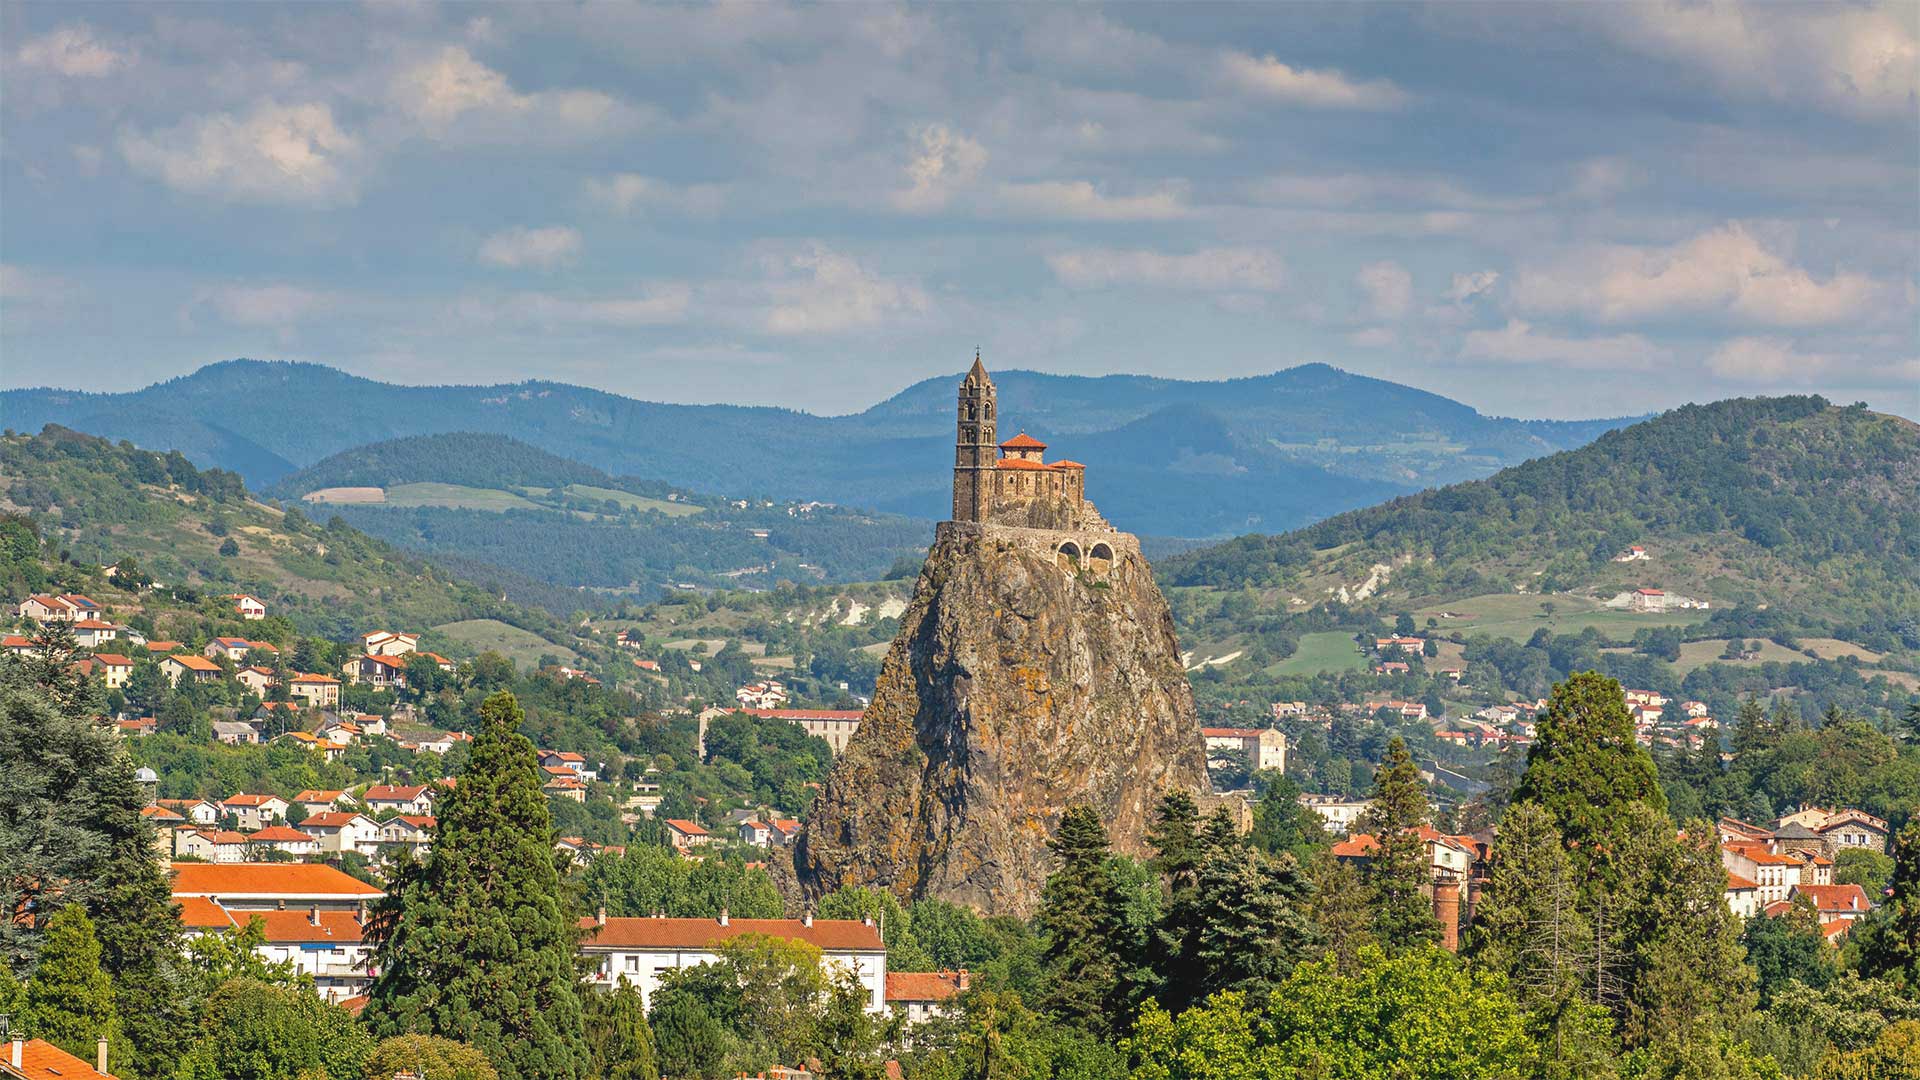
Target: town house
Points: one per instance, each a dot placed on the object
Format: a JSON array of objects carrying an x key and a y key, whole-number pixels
[
  {"x": 400, "y": 798},
  {"x": 643, "y": 950}
]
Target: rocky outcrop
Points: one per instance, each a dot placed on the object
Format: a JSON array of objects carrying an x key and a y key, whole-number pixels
[{"x": 1022, "y": 682}]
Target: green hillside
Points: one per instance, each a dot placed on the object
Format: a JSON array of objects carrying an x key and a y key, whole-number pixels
[
  {"x": 200, "y": 535},
  {"x": 1787, "y": 502}
]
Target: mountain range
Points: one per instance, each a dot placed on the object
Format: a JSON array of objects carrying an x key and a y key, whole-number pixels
[{"x": 1168, "y": 457}]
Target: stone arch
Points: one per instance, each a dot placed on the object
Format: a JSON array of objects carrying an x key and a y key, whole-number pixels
[
  {"x": 1069, "y": 555},
  {"x": 1100, "y": 553}
]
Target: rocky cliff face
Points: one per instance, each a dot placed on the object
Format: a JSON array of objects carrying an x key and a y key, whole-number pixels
[{"x": 1020, "y": 685}]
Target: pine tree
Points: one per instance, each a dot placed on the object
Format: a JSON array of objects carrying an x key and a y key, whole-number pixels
[
  {"x": 69, "y": 1000},
  {"x": 1531, "y": 929},
  {"x": 477, "y": 942},
  {"x": 1078, "y": 919},
  {"x": 1399, "y": 870},
  {"x": 1585, "y": 767},
  {"x": 1341, "y": 908}
]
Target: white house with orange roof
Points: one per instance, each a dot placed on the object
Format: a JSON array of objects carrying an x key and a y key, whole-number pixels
[
  {"x": 1774, "y": 874},
  {"x": 400, "y": 798},
  {"x": 1265, "y": 748},
  {"x": 188, "y": 667},
  {"x": 255, "y": 811},
  {"x": 248, "y": 607},
  {"x": 646, "y": 951},
  {"x": 341, "y": 830}
]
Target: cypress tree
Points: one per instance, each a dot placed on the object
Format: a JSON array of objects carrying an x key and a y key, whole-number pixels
[
  {"x": 1586, "y": 769},
  {"x": 69, "y": 1000},
  {"x": 1400, "y": 870},
  {"x": 477, "y": 942}
]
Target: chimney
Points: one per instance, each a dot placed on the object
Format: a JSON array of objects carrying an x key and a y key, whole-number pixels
[
  {"x": 19, "y": 1047},
  {"x": 1446, "y": 908},
  {"x": 962, "y": 979},
  {"x": 100, "y": 1056},
  {"x": 806, "y": 917},
  {"x": 601, "y": 918},
  {"x": 723, "y": 916},
  {"x": 866, "y": 920},
  {"x": 313, "y": 915}
]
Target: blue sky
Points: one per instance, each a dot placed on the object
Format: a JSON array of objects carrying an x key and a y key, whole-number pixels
[{"x": 1542, "y": 210}]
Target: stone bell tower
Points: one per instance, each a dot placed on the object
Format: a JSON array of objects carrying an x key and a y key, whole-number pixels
[{"x": 975, "y": 449}]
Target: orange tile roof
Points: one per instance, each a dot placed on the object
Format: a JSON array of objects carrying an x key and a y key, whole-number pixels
[
  {"x": 162, "y": 646},
  {"x": 316, "y": 679},
  {"x": 92, "y": 624},
  {"x": 332, "y": 819},
  {"x": 804, "y": 714},
  {"x": 262, "y": 879},
  {"x": 161, "y": 813},
  {"x": 1019, "y": 463},
  {"x": 354, "y": 1004},
  {"x": 1735, "y": 881},
  {"x": 922, "y": 985},
  {"x": 840, "y": 935},
  {"x": 277, "y": 833},
  {"x": 689, "y": 827},
  {"x": 288, "y": 927},
  {"x": 243, "y": 799},
  {"x": 1023, "y": 441},
  {"x": 194, "y": 663},
  {"x": 1233, "y": 732},
  {"x": 393, "y": 792},
  {"x": 200, "y": 913},
  {"x": 317, "y": 795},
  {"x": 1830, "y": 898},
  {"x": 45, "y": 1061}
]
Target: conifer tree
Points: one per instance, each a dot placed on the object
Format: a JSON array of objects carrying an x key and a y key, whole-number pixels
[
  {"x": 69, "y": 1000},
  {"x": 1341, "y": 909},
  {"x": 618, "y": 1034},
  {"x": 1078, "y": 920},
  {"x": 1892, "y": 946},
  {"x": 1585, "y": 767},
  {"x": 1250, "y": 925},
  {"x": 477, "y": 942},
  {"x": 71, "y": 831},
  {"x": 1399, "y": 869}
]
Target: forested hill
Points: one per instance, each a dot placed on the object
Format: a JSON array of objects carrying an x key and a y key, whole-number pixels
[
  {"x": 1269, "y": 452},
  {"x": 204, "y": 536},
  {"x": 467, "y": 458},
  {"x": 1779, "y": 500}
]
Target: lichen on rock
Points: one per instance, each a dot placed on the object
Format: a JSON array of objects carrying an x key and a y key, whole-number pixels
[{"x": 1022, "y": 682}]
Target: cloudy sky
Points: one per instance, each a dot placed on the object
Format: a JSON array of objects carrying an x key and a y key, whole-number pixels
[{"x": 1542, "y": 210}]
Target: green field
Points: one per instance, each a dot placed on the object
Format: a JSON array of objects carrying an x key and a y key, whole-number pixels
[
  {"x": 520, "y": 646},
  {"x": 456, "y": 497},
  {"x": 631, "y": 501},
  {"x": 1518, "y": 615},
  {"x": 1331, "y": 650}
]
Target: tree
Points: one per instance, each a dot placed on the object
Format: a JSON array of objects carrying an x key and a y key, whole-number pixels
[
  {"x": 1079, "y": 919},
  {"x": 476, "y": 943},
  {"x": 71, "y": 832},
  {"x": 252, "y": 1031},
  {"x": 1585, "y": 767},
  {"x": 1281, "y": 824},
  {"x": 1869, "y": 869},
  {"x": 1895, "y": 1053},
  {"x": 1250, "y": 927},
  {"x": 438, "y": 1059},
  {"x": 69, "y": 1000},
  {"x": 1893, "y": 946},
  {"x": 618, "y": 1035},
  {"x": 993, "y": 1035},
  {"x": 1399, "y": 869},
  {"x": 1783, "y": 949},
  {"x": 1341, "y": 908}
]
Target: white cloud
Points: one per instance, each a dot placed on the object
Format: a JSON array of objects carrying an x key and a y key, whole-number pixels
[
  {"x": 1328, "y": 89},
  {"x": 1851, "y": 58},
  {"x": 265, "y": 305},
  {"x": 1776, "y": 360},
  {"x": 656, "y": 305},
  {"x": 542, "y": 249},
  {"x": 69, "y": 50},
  {"x": 1389, "y": 288},
  {"x": 273, "y": 154},
  {"x": 1518, "y": 343},
  {"x": 1079, "y": 200},
  {"x": 1240, "y": 270},
  {"x": 1469, "y": 285},
  {"x": 831, "y": 293},
  {"x": 941, "y": 161},
  {"x": 626, "y": 192},
  {"x": 1726, "y": 271},
  {"x": 452, "y": 94}
]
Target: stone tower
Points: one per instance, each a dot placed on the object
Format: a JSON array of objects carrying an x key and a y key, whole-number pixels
[{"x": 974, "y": 450}]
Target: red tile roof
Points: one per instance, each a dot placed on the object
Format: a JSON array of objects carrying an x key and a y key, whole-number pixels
[
  {"x": 200, "y": 913},
  {"x": 288, "y": 927},
  {"x": 1023, "y": 441},
  {"x": 691, "y": 828},
  {"x": 45, "y": 1061},
  {"x": 316, "y": 679},
  {"x": 1233, "y": 732},
  {"x": 1735, "y": 881},
  {"x": 906, "y": 986},
  {"x": 1020, "y": 463},
  {"x": 112, "y": 659},
  {"x": 804, "y": 714},
  {"x": 332, "y": 819},
  {"x": 265, "y": 879},
  {"x": 317, "y": 795},
  {"x": 278, "y": 833},
  {"x": 192, "y": 662},
  {"x": 393, "y": 792},
  {"x": 244, "y": 799},
  {"x": 839, "y": 935},
  {"x": 1832, "y": 898}
]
